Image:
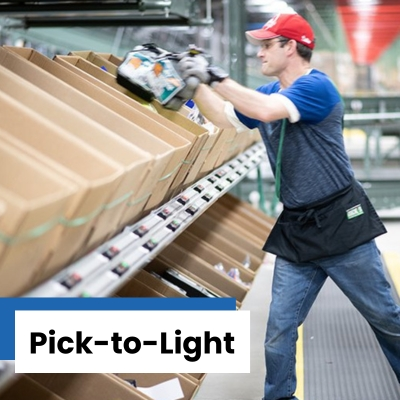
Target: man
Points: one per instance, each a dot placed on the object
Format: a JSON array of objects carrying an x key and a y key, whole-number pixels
[{"x": 328, "y": 225}]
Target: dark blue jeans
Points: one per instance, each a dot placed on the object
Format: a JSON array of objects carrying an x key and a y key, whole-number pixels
[{"x": 359, "y": 274}]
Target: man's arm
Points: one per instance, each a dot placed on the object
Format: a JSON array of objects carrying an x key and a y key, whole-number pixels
[
  {"x": 212, "y": 103},
  {"x": 212, "y": 106},
  {"x": 251, "y": 103}
]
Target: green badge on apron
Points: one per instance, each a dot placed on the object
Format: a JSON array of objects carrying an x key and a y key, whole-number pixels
[{"x": 354, "y": 212}]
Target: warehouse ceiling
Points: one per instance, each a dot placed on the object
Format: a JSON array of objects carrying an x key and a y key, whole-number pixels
[{"x": 370, "y": 26}]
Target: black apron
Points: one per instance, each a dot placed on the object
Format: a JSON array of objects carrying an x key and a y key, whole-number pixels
[{"x": 327, "y": 228}]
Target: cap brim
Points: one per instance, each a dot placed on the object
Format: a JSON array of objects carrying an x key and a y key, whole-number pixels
[{"x": 257, "y": 36}]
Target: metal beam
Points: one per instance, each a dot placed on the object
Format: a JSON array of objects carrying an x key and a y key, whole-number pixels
[
  {"x": 236, "y": 12},
  {"x": 90, "y": 21}
]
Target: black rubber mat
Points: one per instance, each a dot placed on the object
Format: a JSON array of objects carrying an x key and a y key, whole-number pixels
[{"x": 342, "y": 358}]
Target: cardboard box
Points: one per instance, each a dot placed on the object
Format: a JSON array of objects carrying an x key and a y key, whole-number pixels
[
  {"x": 107, "y": 81},
  {"x": 199, "y": 137},
  {"x": 76, "y": 207},
  {"x": 215, "y": 158},
  {"x": 213, "y": 256},
  {"x": 98, "y": 60},
  {"x": 111, "y": 57},
  {"x": 176, "y": 255},
  {"x": 33, "y": 200},
  {"x": 92, "y": 65},
  {"x": 130, "y": 107},
  {"x": 248, "y": 139},
  {"x": 189, "y": 388},
  {"x": 232, "y": 233},
  {"x": 243, "y": 220},
  {"x": 3, "y": 207},
  {"x": 246, "y": 210},
  {"x": 179, "y": 144},
  {"x": 229, "y": 148},
  {"x": 247, "y": 224},
  {"x": 136, "y": 288},
  {"x": 96, "y": 175},
  {"x": 88, "y": 387},
  {"x": 211, "y": 149},
  {"x": 255, "y": 136},
  {"x": 258, "y": 236},
  {"x": 157, "y": 284},
  {"x": 164, "y": 154},
  {"x": 241, "y": 142},
  {"x": 26, "y": 388},
  {"x": 197, "y": 377},
  {"x": 134, "y": 111},
  {"x": 234, "y": 250},
  {"x": 134, "y": 161},
  {"x": 161, "y": 264}
]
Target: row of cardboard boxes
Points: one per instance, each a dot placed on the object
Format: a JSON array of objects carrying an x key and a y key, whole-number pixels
[
  {"x": 229, "y": 234},
  {"x": 98, "y": 386},
  {"x": 82, "y": 157},
  {"x": 228, "y": 237},
  {"x": 220, "y": 252}
]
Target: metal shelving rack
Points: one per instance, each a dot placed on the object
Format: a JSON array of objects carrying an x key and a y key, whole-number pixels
[{"x": 107, "y": 268}]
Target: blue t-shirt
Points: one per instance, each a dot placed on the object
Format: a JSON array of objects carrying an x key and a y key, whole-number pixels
[{"x": 314, "y": 161}]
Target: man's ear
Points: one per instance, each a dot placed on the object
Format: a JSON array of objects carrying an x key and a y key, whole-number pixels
[{"x": 291, "y": 46}]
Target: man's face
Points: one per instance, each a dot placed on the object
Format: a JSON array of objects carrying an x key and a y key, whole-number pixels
[{"x": 273, "y": 57}]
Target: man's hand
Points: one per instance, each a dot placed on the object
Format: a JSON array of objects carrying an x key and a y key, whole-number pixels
[
  {"x": 194, "y": 66},
  {"x": 197, "y": 66},
  {"x": 184, "y": 95}
]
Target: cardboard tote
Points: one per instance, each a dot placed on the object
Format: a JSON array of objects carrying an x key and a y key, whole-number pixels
[
  {"x": 133, "y": 160},
  {"x": 88, "y": 387},
  {"x": 97, "y": 175},
  {"x": 134, "y": 109},
  {"x": 163, "y": 153},
  {"x": 34, "y": 200},
  {"x": 178, "y": 255},
  {"x": 26, "y": 388},
  {"x": 187, "y": 387},
  {"x": 180, "y": 145}
]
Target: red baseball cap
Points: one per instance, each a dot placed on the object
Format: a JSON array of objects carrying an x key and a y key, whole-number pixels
[{"x": 291, "y": 26}]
